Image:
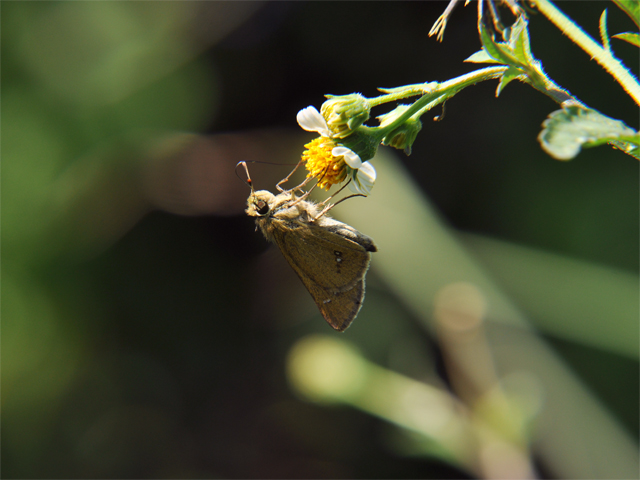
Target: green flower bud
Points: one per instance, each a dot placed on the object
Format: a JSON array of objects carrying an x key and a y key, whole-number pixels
[
  {"x": 345, "y": 113},
  {"x": 402, "y": 137}
]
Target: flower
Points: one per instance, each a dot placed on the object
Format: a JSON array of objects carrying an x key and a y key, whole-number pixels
[
  {"x": 322, "y": 164},
  {"x": 310, "y": 120},
  {"x": 330, "y": 162}
]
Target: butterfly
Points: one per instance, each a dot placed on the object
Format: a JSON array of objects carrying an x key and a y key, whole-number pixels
[{"x": 330, "y": 257}]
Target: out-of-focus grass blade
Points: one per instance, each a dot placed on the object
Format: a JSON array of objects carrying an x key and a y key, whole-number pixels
[{"x": 573, "y": 299}]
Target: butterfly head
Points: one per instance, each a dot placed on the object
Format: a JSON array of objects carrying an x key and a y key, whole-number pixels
[{"x": 259, "y": 203}]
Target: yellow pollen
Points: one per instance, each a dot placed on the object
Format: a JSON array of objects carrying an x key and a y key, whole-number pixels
[{"x": 321, "y": 164}]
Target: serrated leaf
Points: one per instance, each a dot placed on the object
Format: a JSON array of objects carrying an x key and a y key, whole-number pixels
[
  {"x": 516, "y": 53},
  {"x": 498, "y": 51},
  {"x": 631, "y": 8},
  {"x": 520, "y": 41},
  {"x": 568, "y": 130},
  {"x": 630, "y": 37},
  {"x": 510, "y": 74},
  {"x": 481, "y": 57}
]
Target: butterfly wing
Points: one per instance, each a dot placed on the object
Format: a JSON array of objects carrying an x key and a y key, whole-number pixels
[{"x": 331, "y": 258}]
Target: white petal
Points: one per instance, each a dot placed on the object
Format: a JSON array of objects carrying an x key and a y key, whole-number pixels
[
  {"x": 364, "y": 179},
  {"x": 351, "y": 158},
  {"x": 367, "y": 170},
  {"x": 310, "y": 120},
  {"x": 354, "y": 187}
]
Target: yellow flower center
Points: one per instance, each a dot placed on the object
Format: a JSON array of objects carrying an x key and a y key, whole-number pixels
[{"x": 321, "y": 164}]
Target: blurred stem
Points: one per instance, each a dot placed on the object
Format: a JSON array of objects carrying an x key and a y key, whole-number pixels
[{"x": 604, "y": 57}]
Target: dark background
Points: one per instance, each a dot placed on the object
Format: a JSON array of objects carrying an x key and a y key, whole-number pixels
[{"x": 142, "y": 342}]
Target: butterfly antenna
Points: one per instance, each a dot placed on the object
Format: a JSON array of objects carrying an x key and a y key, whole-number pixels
[{"x": 248, "y": 179}]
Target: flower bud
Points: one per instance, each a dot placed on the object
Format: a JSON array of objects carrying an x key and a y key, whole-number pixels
[
  {"x": 402, "y": 137},
  {"x": 345, "y": 113}
]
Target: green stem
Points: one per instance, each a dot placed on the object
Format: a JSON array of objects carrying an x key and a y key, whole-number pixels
[
  {"x": 439, "y": 93},
  {"x": 605, "y": 58}
]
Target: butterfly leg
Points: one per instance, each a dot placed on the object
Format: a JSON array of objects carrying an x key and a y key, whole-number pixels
[
  {"x": 331, "y": 205},
  {"x": 307, "y": 193},
  {"x": 286, "y": 179},
  {"x": 333, "y": 195}
]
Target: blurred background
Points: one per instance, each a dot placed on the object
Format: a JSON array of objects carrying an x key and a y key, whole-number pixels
[{"x": 149, "y": 331}]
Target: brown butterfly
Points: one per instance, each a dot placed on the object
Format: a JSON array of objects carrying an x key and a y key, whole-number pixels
[{"x": 330, "y": 257}]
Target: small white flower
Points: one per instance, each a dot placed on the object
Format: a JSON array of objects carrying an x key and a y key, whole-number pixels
[
  {"x": 363, "y": 179},
  {"x": 310, "y": 120},
  {"x": 363, "y": 174},
  {"x": 351, "y": 158}
]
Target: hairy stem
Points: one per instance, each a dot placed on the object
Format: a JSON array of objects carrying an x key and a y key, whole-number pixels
[
  {"x": 604, "y": 57},
  {"x": 441, "y": 92}
]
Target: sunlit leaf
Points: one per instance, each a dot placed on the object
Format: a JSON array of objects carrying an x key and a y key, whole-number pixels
[
  {"x": 510, "y": 74},
  {"x": 567, "y": 131},
  {"x": 520, "y": 42},
  {"x": 630, "y": 37},
  {"x": 414, "y": 89},
  {"x": 481, "y": 57},
  {"x": 516, "y": 53},
  {"x": 501, "y": 52}
]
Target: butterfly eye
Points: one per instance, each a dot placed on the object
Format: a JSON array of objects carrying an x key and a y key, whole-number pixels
[{"x": 262, "y": 207}]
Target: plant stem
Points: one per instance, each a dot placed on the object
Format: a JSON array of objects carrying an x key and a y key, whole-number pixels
[
  {"x": 605, "y": 58},
  {"x": 441, "y": 92}
]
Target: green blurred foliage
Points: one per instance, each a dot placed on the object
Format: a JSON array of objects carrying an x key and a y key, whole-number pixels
[{"x": 154, "y": 345}]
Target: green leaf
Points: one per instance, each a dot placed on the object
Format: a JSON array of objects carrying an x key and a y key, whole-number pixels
[
  {"x": 604, "y": 35},
  {"x": 630, "y": 37},
  {"x": 510, "y": 74},
  {"x": 481, "y": 57},
  {"x": 568, "y": 130},
  {"x": 501, "y": 52},
  {"x": 410, "y": 90},
  {"x": 520, "y": 41},
  {"x": 516, "y": 53},
  {"x": 631, "y": 8}
]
